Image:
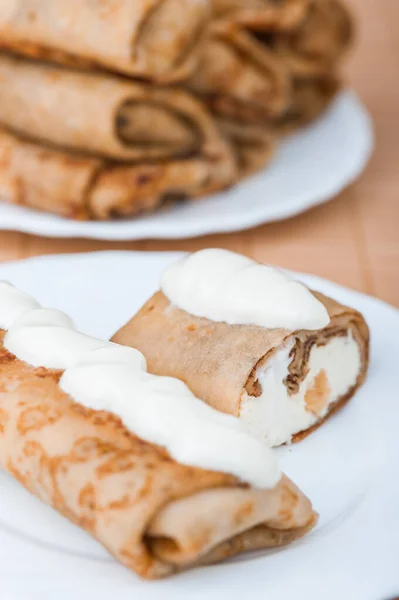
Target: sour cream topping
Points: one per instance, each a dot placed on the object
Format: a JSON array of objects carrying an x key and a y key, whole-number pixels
[
  {"x": 224, "y": 286},
  {"x": 104, "y": 376}
]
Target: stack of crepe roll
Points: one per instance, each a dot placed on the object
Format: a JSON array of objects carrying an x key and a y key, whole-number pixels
[
  {"x": 173, "y": 467},
  {"x": 116, "y": 107}
]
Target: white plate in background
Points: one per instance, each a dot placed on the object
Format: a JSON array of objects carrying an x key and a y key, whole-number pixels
[
  {"x": 348, "y": 467},
  {"x": 311, "y": 167}
]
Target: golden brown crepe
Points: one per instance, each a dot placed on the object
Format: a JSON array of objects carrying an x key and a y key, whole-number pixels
[
  {"x": 81, "y": 187},
  {"x": 254, "y": 145},
  {"x": 239, "y": 78},
  {"x": 220, "y": 362},
  {"x": 153, "y": 514},
  {"x": 154, "y": 39},
  {"x": 101, "y": 114},
  {"x": 261, "y": 14},
  {"x": 310, "y": 98},
  {"x": 317, "y": 45},
  {"x": 279, "y": 79}
]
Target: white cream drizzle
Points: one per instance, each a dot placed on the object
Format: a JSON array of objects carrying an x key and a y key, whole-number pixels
[
  {"x": 224, "y": 286},
  {"x": 105, "y": 376},
  {"x": 13, "y": 304}
]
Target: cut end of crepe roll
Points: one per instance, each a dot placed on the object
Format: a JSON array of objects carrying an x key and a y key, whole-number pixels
[
  {"x": 147, "y": 125},
  {"x": 300, "y": 384},
  {"x": 319, "y": 42},
  {"x": 310, "y": 98},
  {"x": 254, "y": 145},
  {"x": 252, "y": 342},
  {"x": 239, "y": 78},
  {"x": 163, "y": 481}
]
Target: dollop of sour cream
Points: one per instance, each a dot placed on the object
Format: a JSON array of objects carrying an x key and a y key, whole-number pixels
[
  {"x": 105, "y": 376},
  {"x": 224, "y": 286}
]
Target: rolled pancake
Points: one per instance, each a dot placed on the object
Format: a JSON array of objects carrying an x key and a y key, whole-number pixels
[
  {"x": 153, "y": 514},
  {"x": 319, "y": 42},
  {"x": 100, "y": 114},
  {"x": 310, "y": 98},
  {"x": 261, "y": 14},
  {"x": 233, "y": 517},
  {"x": 239, "y": 78},
  {"x": 254, "y": 145},
  {"x": 80, "y": 187},
  {"x": 282, "y": 384},
  {"x": 154, "y": 39}
]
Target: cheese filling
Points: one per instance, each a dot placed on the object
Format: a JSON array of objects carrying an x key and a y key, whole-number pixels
[{"x": 276, "y": 415}]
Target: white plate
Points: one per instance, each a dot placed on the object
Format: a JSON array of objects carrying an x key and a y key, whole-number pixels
[
  {"x": 311, "y": 167},
  {"x": 348, "y": 467}
]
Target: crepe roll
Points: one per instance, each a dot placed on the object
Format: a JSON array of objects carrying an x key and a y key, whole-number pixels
[
  {"x": 100, "y": 114},
  {"x": 252, "y": 342},
  {"x": 319, "y": 42},
  {"x": 254, "y": 145},
  {"x": 239, "y": 78},
  {"x": 163, "y": 481},
  {"x": 153, "y": 39},
  {"x": 261, "y": 14},
  {"x": 310, "y": 99},
  {"x": 81, "y": 187}
]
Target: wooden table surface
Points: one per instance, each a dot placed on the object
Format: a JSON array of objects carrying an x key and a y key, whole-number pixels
[{"x": 352, "y": 240}]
